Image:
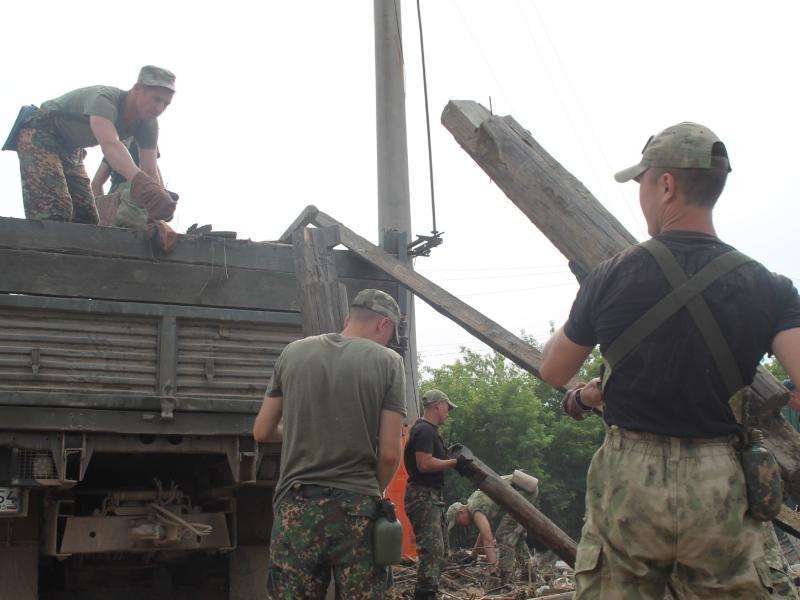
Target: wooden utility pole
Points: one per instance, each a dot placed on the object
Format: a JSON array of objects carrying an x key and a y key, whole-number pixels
[{"x": 586, "y": 233}]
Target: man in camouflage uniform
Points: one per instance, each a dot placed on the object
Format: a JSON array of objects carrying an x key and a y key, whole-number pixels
[
  {"x": 502, "y": 548},
  {"x": 425, "y": 458},
  {"x": 341, "y": 398},
  {"x": 51, "y": 141},
  {"x": 666, "y": 492}
]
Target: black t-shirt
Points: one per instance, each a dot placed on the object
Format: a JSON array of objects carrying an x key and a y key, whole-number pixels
[
  {"x": 424, "y": 437},
  {"x": 670, "y": 384}
]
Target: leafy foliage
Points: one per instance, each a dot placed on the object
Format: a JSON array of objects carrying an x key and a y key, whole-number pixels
[{"x": 512, "y": 420}]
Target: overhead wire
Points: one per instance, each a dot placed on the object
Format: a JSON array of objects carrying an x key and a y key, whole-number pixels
[
  {"x": 575, "y": 95},
  {"x": 434, "y": 231}
]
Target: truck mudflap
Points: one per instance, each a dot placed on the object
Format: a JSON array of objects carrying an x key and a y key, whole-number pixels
[{"x": 141, "y": 521}]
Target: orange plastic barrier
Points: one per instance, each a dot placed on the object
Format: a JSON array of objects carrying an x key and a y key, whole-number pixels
[{"x": 395, "y": 492}]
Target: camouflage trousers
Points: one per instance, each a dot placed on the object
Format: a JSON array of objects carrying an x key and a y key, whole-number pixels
[
  {"x": 55, "y": 185},
  {"x": 781, "y": 585},
  {"x": 426, "y": 511},
  {"x": 511, "y": 539},
  {"x": 318, "y": 531},
  {"x": 655, "y": 504}
]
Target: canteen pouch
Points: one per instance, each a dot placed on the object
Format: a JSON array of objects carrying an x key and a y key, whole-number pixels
[
  {"x": 387, "y": 535},
  {"x": 762, "y": 477}
]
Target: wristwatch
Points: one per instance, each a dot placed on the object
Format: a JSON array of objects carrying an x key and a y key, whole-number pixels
[{"x": 580, "y": 403}]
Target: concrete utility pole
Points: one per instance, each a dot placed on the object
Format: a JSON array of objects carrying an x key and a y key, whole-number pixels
[{"x": 394, "y": 206}]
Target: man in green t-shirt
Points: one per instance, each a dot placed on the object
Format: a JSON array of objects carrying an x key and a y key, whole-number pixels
[
  {"x": 51, "y": 141},
  {"x": 341, "y": 399}
]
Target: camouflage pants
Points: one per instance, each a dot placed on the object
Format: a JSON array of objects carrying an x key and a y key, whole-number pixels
[
  {"x": 654, "y": 504},
  {"x": 511, "y": 538},
  {"x": 55, "y": 185},
  {"x": 781, "y": 585},
  {"x": 426, "y": 511},
  {"x": 319, "y": 530}
]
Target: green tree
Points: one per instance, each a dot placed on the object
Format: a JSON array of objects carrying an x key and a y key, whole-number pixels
[{"x": 512, "y": 420}]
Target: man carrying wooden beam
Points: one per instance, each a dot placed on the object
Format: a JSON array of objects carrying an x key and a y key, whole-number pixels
[{"x": 666, "y": 489}]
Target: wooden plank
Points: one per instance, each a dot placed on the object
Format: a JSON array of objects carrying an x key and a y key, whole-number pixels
[
  {"x": 323, "y": 299},
  {"x": 483, "y": 328},
  {"x": 134, "y": 281},
  {"x": 586, "y": 233},
  {"x": 111, "y": 242},
  {"x": 555, "y": 201}
]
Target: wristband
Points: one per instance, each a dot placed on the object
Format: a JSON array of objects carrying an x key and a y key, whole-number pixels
[{"x": 578, "y": 401}]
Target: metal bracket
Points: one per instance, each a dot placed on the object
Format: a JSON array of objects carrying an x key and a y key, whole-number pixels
[
  {"x": 167, "y": 407},
  {"x": 423, "y": 245},
  {"x": 209, "y": 369}
]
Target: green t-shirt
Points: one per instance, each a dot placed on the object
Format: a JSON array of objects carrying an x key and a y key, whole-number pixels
[
  {"x": 71, "y": 114},
  {"x": 334, "y": 389}
]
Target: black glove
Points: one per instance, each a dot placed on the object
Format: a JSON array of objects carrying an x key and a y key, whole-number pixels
[{"x": 462, "y": 464}]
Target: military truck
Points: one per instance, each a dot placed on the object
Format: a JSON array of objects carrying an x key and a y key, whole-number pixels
[{"x": 128, "y": 386}]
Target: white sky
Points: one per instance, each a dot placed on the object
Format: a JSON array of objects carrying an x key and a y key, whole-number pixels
[{"x": 275, "y": 110}]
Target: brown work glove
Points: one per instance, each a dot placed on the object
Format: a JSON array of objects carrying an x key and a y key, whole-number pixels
[
  {"x": 162, "y": 236},
  {"x": 570, "y": 406},
  {"x": 152, "y": 196}
]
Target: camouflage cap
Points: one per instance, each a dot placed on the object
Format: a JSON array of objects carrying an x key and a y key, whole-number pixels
[
  {"x": 379, "y": 302},
  {"x": 434, "y": 396},
  {"x": 157, "y": 77},
  {"x": 682, "y": 146},
  {"x": 452, "y": 513}
]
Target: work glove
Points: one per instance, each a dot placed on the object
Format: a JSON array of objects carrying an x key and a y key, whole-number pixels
[
  {"x": 152, "y": 196},
  {"x": 570, "y": 405},
  {"x": 462, "y": 464}
]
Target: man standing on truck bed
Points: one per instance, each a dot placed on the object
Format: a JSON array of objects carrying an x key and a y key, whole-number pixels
[
  {"x": 50, "y": 142},
  {"x": 666, "y": 489},
  {"x": 342, "y": 400}
]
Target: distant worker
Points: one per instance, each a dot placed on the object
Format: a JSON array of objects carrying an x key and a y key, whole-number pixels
[
  {"x": 509, "y": 541},
  {"x": 51, "y": 141},
  {"x": 669, "y": 462},
  {"x": 342, "y": 400},
  {"x": 425, "y": 458}
]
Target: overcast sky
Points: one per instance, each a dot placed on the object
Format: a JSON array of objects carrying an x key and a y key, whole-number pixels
[{"x": 275, "y": 110}]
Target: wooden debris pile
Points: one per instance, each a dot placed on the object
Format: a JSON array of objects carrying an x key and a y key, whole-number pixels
[{"x": 539, "y": 578}]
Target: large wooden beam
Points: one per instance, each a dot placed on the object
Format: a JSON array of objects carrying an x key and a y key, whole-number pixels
[
  {"x": 587, "y": 234},
  {"x": 527, "y": 515},
  {"x": 483, "y": 328}
]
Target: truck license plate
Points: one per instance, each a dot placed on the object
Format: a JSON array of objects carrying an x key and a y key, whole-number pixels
[{"x": 10, "y": 500}]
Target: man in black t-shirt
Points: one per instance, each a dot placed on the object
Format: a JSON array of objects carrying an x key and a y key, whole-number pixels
[
  {"x": 665, "y": 491},
  {"x": 425, "y": 459}
]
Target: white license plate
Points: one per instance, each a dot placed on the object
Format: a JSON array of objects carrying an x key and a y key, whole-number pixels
[{"x": 10, "y": 500}]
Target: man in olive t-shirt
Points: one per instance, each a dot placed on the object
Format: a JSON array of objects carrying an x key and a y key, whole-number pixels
[
  {"x": 51, "y": 142},
  {"x": 341, "y": 397}
]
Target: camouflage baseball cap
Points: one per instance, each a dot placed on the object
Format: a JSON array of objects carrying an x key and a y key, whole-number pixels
[
  {"x": 682, "y": 146},
  {"x": 157, "y": 77},
  {"x": 434, "y": 396},
  {"x": 452, "y": 513},
  {"x": 379, "y": 302}
]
